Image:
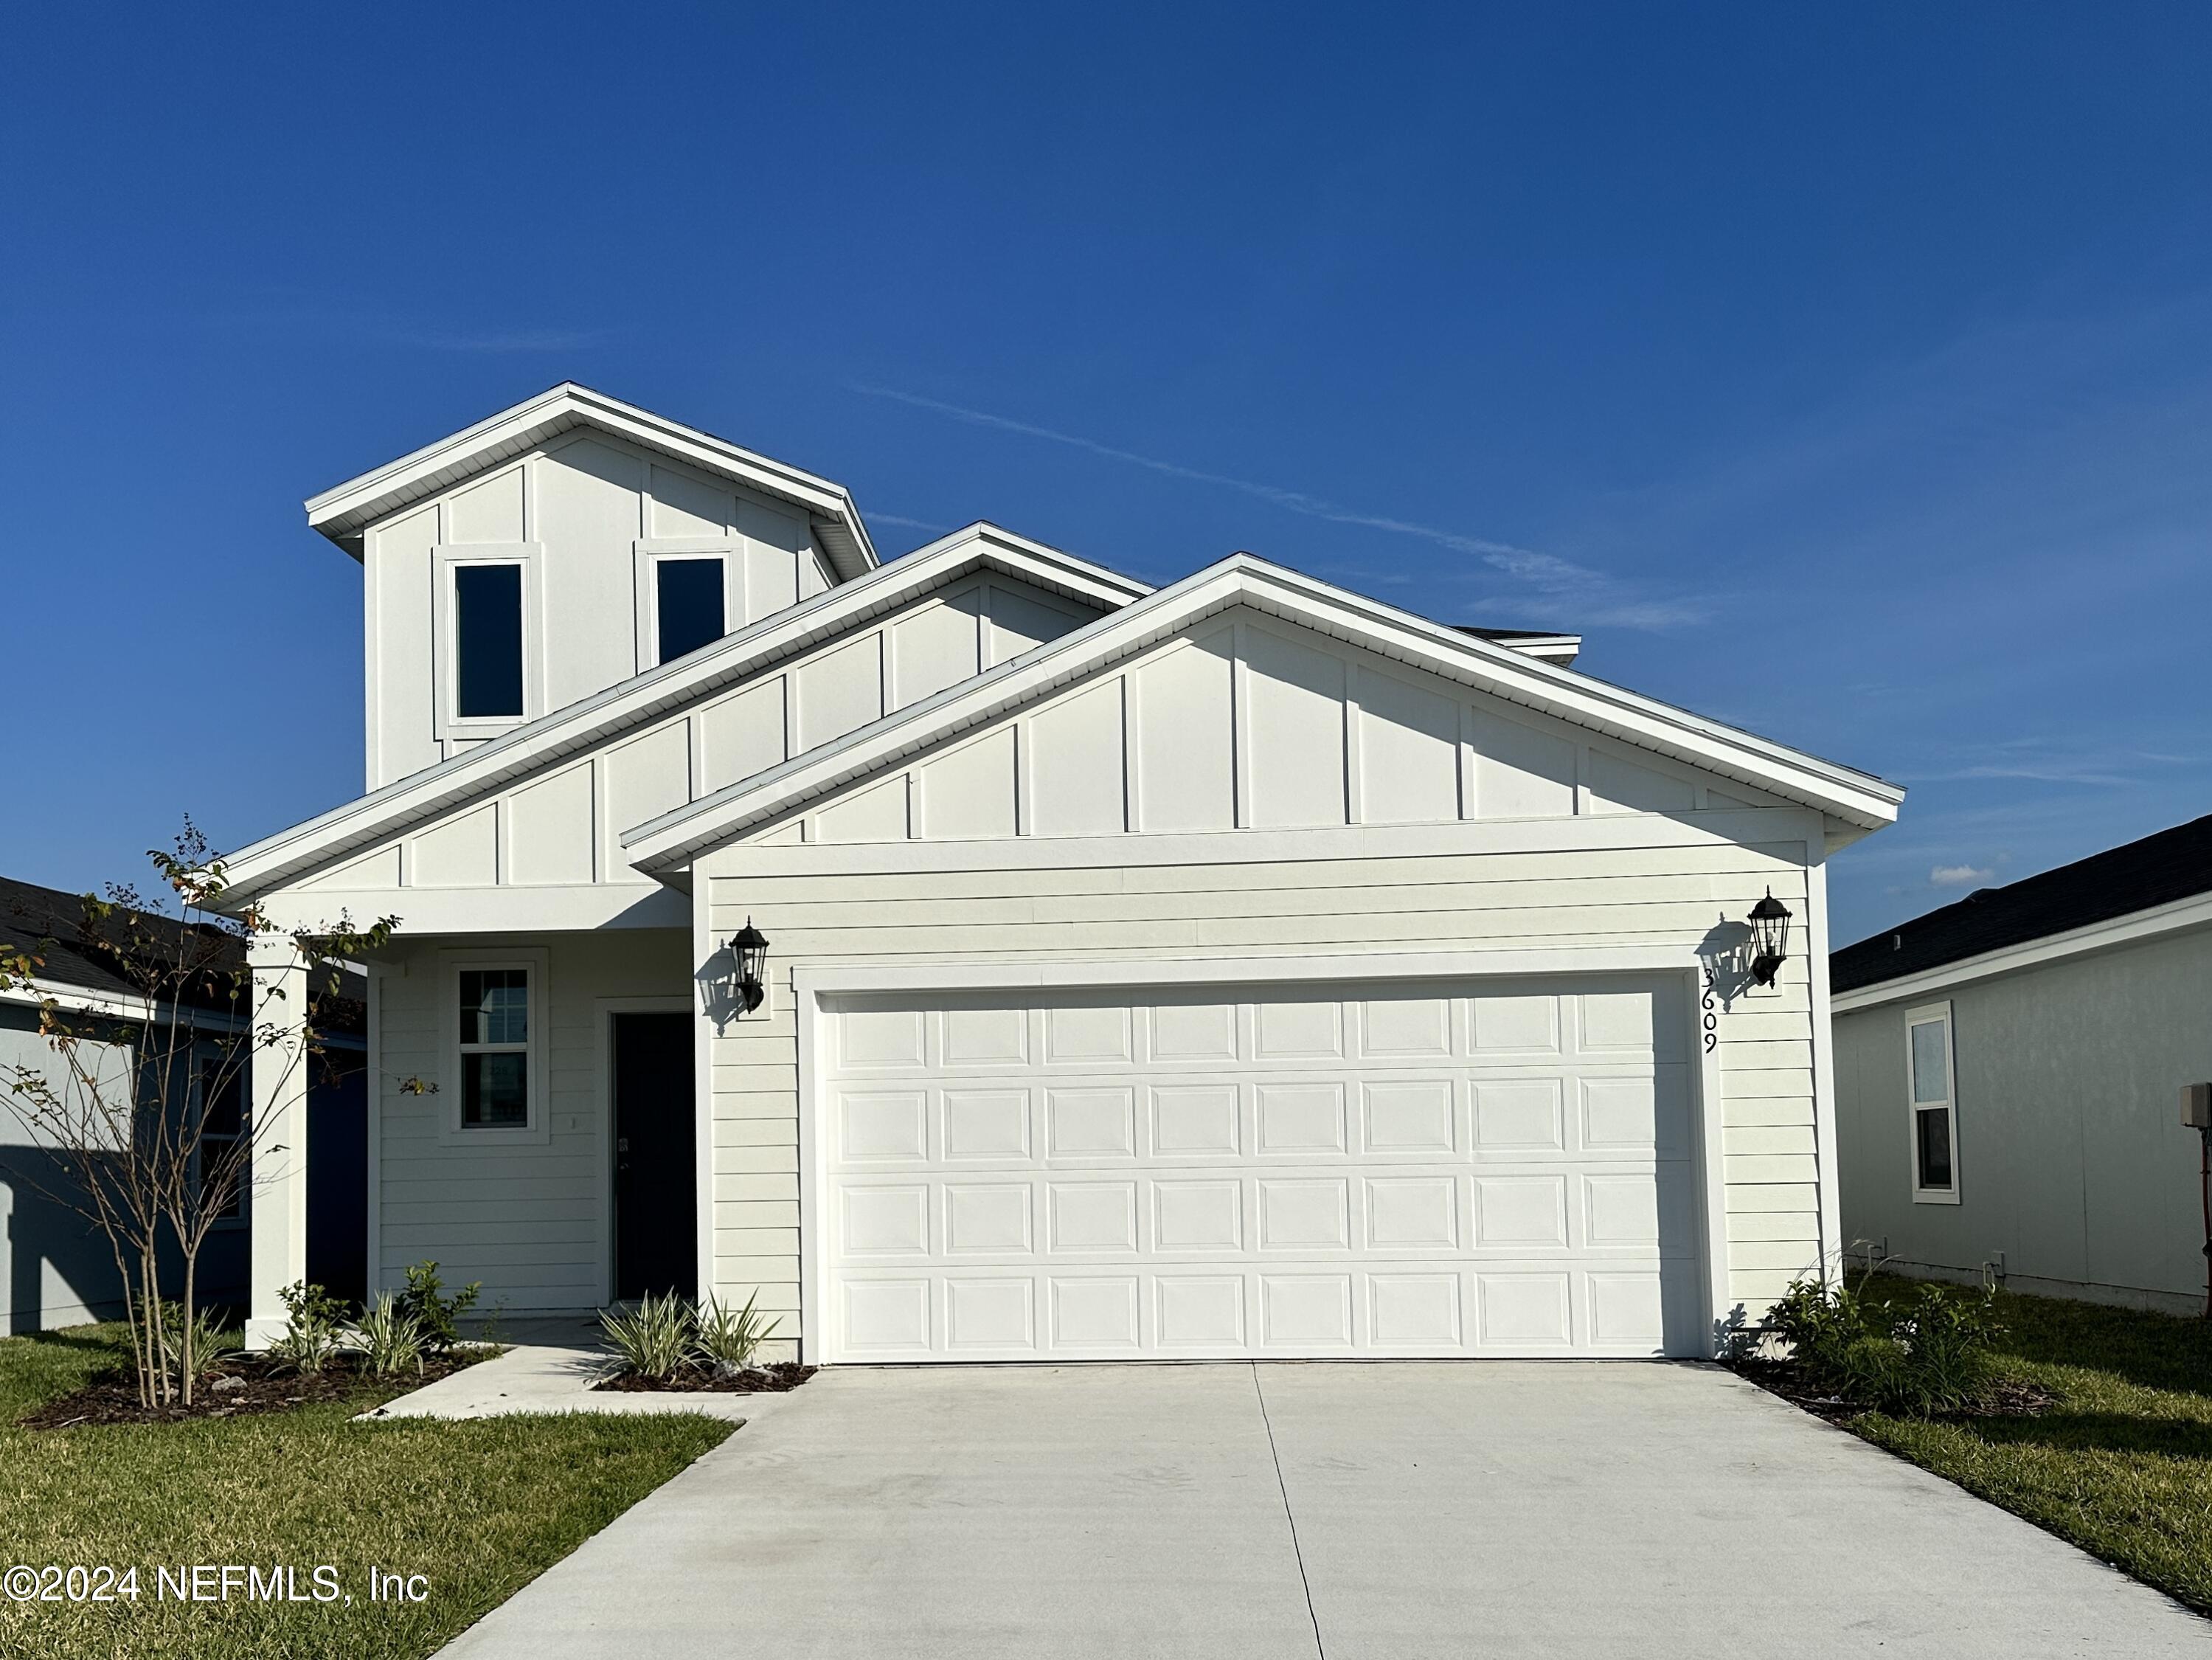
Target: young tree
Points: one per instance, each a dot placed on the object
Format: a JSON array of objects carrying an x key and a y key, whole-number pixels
[{"x": 146, "y": 1104}]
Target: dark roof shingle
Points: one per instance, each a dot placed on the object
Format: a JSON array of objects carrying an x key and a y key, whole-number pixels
[{"x": 2173, "y": 864}]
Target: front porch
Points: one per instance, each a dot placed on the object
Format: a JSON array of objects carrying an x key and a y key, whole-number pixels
[{"x": 533, "y": 1123}]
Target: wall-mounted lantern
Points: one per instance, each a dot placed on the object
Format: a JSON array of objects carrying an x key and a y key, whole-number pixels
[
  {"x": 1770, "y": 938},
  {"x": 748, "y": 946}
]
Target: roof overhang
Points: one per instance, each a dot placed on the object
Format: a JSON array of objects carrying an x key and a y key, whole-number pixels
[
  {"x": 343, "y": 512},
  {"x": 296, "y": 854},
  {"x": 2113, "y": 934},
  {"x": 1852, "y": 802}
]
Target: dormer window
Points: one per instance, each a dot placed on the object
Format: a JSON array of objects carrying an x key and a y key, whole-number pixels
[
  {"x": 688, "y": 605},
  {"x": 691, "y": 592},
  {"x": 486, "y": 642},
  {"x": 488, "y": 666}
]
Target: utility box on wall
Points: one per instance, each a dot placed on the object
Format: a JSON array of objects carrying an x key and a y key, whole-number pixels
[{"x": 2197, "y": 1106}]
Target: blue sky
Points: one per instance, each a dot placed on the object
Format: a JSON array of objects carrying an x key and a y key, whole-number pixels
[{"x": 1847, "y": 375}]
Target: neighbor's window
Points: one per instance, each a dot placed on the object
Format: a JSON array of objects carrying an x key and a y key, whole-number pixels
[
  {"x": 486, "y": 642},
  {"x": 495, "y": 1048},
  {"x": 688, "y": 605},
  {"x": 1934, "y": 1105},
  {"x": 222, "y": 1121}
]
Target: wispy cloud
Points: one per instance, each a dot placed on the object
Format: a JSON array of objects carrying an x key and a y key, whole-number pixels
[
  {"x": 906, "y": 523},
  {"x": 1958, "y": 876},
  {"x": 1596, "y": 596}
]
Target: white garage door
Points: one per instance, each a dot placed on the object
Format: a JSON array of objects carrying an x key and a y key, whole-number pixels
[{"x": 1483, "y": 1169}]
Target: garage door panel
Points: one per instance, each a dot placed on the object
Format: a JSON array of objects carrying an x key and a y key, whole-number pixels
[
  {"x": 1299, "y": 1119},
  {"x": 1195, "y": 1216},
  {"x": 1187, "y": 1034},
  {"x": 1406, "y": 1029},
  {"x": 992, "y": 1316},
  {"x": 1093, "y": 1314},
  {"x": 1409, "y": 1117},
  {"x": 989, "y": 1219},
  {"x": 1485, "y": 1170},
  {"x": 982, "y": 1124},
  {"x": 1193, "y": 1120},
  {"x": 878, "y": 1127},
  {"x": 1200, "y": 1311},
  {"x": 1090, "y": 1122}
]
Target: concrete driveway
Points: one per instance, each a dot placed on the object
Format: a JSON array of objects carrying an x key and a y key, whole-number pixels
[{"x": 1347, "y": 1511}]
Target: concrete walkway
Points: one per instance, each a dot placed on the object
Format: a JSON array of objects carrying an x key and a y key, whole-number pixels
[
  {"x": 551, "y": 1365},
  {"x": 1356, "y": 1512}
]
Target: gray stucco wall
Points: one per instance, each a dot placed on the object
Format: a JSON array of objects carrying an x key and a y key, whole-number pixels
[
  {"x": 2072, "y": 1159},
  {"x": 56, "y": 1267}
]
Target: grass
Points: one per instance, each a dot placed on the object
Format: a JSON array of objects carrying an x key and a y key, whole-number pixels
[
  {"x": 478, "y": 1509},
  {"x": 2122, "y": 1465}
]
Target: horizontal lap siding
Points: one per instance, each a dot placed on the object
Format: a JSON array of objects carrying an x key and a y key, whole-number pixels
[
  {"x": 527, "y": 1220},
  {"x": 1667, "y": 897}
]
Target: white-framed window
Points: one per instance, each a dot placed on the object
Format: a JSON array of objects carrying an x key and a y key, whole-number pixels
[
  {"x": 1932, "y": 1095},
  {"x": 495, "y": 1010},
  {"x": 219, "y": 1098},
  {"x": 487, "y": 645},
  {"x": 691, "y": 592}
]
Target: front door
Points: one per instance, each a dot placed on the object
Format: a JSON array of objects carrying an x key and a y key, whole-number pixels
[{"x": 656, "y": 1190}]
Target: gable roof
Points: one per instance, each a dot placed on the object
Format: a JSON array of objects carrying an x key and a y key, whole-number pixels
[
  {"x": 334, "y": 837},
  {"x": 52, "y": 923},
  {"x": 1858, "y": 801},
  {"x": 342, "y": 512},
  {"x": 1547, "y": 643},
  {"x": 2158, "y": 870}
]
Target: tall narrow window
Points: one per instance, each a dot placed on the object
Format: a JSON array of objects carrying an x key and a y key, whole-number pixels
[
  {"x": 1930, "y": 1066},
  {"x": 495, "y": 1049},
  {"x": 688, "y": 605},
  {"x": 486, "y": 642},
  {"x": 222, "y": 1121}
]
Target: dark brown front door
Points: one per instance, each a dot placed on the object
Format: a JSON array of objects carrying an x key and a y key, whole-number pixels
[{"x": 656, "y": 1191}]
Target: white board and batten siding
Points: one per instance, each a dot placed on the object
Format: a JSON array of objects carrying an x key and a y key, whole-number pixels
[
  {"x": 581, "y": 511},
  {"x": 1234, "y": 806},
  {"x": 563, "y": 826},
  {"x": 1252, "y": 723}
]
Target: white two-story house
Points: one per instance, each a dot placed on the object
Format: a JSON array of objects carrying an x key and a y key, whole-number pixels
[{"x": 986, "y": 956}]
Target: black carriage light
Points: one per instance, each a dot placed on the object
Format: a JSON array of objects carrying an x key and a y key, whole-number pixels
[
  {"x": 1770, "y": 938},
  {"x": 749, "y": 946}
]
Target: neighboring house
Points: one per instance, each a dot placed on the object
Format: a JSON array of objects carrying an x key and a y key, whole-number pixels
[
  {"x": 56, "y": 1266},
  {"x": 2008, "y": 1072},
  {"x": 1240, "y": 967}
]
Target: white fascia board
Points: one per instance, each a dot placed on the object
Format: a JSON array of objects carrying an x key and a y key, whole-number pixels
[
  {"x": 2176, "y": 917},
  {"x": 342, "y": 512},
  {"x": 672, "y": 841},
  {"x": 410, "y": 802}
]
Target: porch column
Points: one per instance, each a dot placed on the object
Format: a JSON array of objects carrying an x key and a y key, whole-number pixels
[{"x": 276, "y": 1188}]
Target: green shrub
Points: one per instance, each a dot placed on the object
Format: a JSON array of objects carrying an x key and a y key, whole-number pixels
[
  {"x": 390, "y": 1338},
  {"x": 208, "y": 1339},
  {"x": 1911, "y": 1356},
  {"x": 314, "y": 1326},
  {"x": 655, "y": 1340},
  {"x": 728, "y": 1340},
  {"x": 436, "y": 1316}
]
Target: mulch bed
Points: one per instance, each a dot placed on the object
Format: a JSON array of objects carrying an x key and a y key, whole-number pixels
[
  {"x": 777, "y": 1379},
  {"x": 260, "y": 1386},
  {"x": 2008, "y": 1397}
]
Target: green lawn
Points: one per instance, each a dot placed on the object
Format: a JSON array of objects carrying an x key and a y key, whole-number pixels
[
  {"x": 2122, "y": 1465},
  {"x": 479, "y": 1509}
]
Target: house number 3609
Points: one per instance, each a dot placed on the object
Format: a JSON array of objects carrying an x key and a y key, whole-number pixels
[{"x": 1711, "y": 1020}]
